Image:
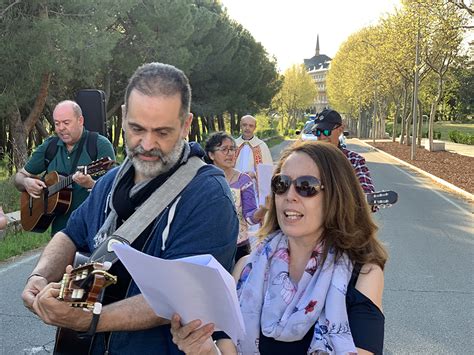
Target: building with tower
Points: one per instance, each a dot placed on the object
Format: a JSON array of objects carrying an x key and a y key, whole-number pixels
[{"x": 318, "y": 67}]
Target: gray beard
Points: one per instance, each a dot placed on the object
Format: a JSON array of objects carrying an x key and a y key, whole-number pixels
[{"x": 151, "y": 169}]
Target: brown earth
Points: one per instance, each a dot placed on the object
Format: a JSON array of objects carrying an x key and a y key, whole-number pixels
[{"x": 454, "y": 168}]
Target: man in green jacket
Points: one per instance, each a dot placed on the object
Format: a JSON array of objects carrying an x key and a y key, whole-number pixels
[{"x": 69, "y": 127}]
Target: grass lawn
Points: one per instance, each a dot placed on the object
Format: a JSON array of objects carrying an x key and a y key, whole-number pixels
[
  {"x": 10, "y": 196},
  {"x": 274, "y": 141},
  {"x": 444, "y": 127},
  {"x": 17, "y": 242}
]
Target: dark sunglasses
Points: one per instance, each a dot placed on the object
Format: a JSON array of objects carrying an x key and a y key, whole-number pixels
[
  {"x": 326, "y": 132},
  {"x": 305, "y": 186}
]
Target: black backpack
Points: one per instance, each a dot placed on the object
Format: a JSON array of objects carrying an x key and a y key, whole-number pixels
[{"x": 52, "y": 148}]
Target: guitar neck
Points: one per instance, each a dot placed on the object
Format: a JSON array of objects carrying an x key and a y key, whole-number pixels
[
  {"x": 60, "y": 185},
  {"x": 95, "y": 168}
]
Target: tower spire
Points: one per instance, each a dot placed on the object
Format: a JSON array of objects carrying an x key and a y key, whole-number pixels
[{"x": 317, "y": 44}]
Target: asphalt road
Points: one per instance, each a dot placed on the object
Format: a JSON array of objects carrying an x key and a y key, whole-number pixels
[{"x": 428, "y": 298}]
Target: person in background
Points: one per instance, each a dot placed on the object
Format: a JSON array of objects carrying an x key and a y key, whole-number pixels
[
  {"x": 156, "y": 124},
  {"x": 329, "y": 127},
  {"x": 69, "y": 128},
  {"x": 315, "y": 282},
  {"x": 3, "y": 219},
  {"x": 251, "y": 150},
  {"x": 220, "y": 150}
]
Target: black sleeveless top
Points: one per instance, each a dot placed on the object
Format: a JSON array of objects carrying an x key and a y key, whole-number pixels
[{"x": 365, "y": 319}]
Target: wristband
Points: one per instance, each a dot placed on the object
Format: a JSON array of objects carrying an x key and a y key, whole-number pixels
[
  {"x": 35, "y": 274},
  {"x": 95, "y": 320}
]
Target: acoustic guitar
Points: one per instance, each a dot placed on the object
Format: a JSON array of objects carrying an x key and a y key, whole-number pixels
[
  {"x": 71, "y": 342},
  {"x": 38, "y": 213},
  {"x": 382, "y": 199},
  {"x": 83, "y": 288}
]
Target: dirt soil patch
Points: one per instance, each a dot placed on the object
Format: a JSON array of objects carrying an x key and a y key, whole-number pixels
[{"x": 454, "y": 168}]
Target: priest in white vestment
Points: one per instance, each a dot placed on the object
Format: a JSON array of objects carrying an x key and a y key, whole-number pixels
[{"x": 251, "y": 151}]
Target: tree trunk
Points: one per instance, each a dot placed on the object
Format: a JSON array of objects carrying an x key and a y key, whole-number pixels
[
  {"x": 434, "y": 104},
  {"x": 404, "y": 113},
  {"x": 42, "y": 132},
  {"x": 233, "y": 123},
  {"x": 395, "y": 121},
  {"x": 117, "y": 131},
  {"x": 204, "y": 124},
  {"x": 3, "y": 139},
  {"x": 220, "y": 122},
  {"x": 195, "y": 134},
  {"x": 359, "y": 123},
  {"x": 38, "y": 106},
  {"x": 420, "y": 124},
  {"x": 211, "y": 126},
  {"x": 18, "y": 138}
]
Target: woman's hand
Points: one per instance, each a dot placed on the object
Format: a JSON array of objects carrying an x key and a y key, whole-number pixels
[{"x": 193, "y": 339}]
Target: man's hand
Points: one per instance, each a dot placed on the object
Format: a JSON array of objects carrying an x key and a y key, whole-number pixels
[
  {"x": 34, "y": 285},
  {"x": 55, "y": 312},
  {"x": 83, "y": 180},
  {"x": 34, "y": 186}
]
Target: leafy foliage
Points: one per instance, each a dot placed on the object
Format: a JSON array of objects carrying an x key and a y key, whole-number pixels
[{"x": 51, "y": 49}]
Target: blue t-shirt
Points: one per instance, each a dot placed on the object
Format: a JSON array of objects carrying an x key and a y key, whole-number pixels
[{"x": 205, "y": 222}]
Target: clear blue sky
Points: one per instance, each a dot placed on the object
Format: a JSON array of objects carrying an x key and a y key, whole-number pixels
[{"x": 288, "y": 29}]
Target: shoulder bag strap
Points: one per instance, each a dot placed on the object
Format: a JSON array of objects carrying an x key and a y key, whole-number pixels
[
  {"x": 149, "y": 210},
  {"x": 78, "y": 154}
]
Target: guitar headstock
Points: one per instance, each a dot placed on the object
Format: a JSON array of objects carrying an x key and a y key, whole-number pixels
[
  {"x": 98, "y": 167},
  {"x": 83, "y": 285},
  {"x": 382, "y": 198}
]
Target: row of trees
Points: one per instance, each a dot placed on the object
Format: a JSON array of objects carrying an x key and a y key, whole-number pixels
[
  {"x": 373, "y": 71},
  {"x": 50, "y": 49}
]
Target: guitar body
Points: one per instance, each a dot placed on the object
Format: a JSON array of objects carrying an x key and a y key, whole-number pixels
[
  {"x": 69, "y": 343},
  {"x": 38, "y": 213}
]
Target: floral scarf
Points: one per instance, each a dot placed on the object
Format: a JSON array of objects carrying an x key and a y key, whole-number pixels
[{"x": 285, "y": 311}]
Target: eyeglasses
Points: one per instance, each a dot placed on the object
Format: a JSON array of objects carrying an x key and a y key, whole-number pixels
[
  {"x": 325, "y": 132},
  {"x": 226, "y": 150},
  {"x": 305, "y": 186}
]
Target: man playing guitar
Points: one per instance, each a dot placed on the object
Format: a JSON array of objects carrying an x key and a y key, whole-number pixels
[
  {"x": 200, "y": 220},
  {"x": 71, "y": 152}
]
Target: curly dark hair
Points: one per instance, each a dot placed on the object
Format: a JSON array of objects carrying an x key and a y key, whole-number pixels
[{"x": 213, "y": 141}]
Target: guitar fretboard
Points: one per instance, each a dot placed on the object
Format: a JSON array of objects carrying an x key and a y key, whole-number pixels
[{"x": 60, "y": 185}]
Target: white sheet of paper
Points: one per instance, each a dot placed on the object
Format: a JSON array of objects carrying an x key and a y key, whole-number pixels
[
  {"x": 264, "y": 173},
  {"x": 196, "y": 287}
]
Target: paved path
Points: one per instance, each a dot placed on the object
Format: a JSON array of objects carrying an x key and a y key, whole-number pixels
[
  {"x": 429, "y": 288},
  {"x": 463, "y": 149}
]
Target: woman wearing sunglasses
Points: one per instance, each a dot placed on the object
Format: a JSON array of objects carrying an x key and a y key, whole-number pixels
[
  {"x": 315, "y": 282},
  {"x": 220, "y": 150}
]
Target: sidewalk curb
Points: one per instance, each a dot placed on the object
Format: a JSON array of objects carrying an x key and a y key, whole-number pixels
[
  {"x": 450, "y": 186},
  {"x": 13, "y": 222}
]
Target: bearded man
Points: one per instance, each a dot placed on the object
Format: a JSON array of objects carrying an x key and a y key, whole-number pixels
[{"x": 200, "y": 220}]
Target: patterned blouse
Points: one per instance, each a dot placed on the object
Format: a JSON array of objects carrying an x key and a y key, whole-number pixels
[{"x": 245, "y": 200}]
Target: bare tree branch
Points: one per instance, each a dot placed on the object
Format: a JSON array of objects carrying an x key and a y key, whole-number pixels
[
  {"x": 463, "y": 6},
  {"x": 8, "y": 7}
]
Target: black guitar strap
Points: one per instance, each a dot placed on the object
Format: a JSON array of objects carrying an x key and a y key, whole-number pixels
[{"x": 78, "y": 154}]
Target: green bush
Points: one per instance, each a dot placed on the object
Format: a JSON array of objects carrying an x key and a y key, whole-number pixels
[
  {"x": 267, "y": 133},
  {"x": 463, "y": 138}
]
